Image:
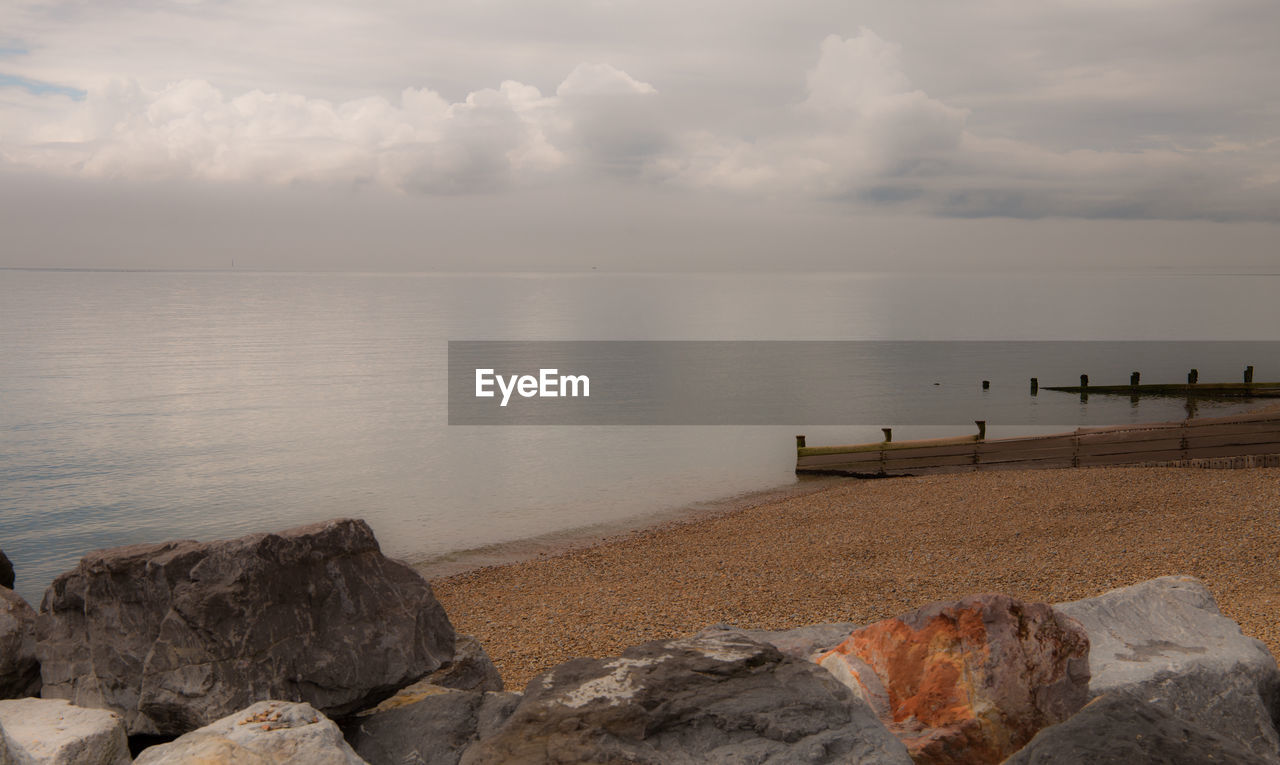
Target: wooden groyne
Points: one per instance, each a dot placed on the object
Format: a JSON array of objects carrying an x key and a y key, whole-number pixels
[
  {"x": 1208, "y": 390},
  {"x": 1249, "y": 440},
  {"x": 1191, "y": 388}
]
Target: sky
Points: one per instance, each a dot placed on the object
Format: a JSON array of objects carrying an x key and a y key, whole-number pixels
[{"x": 502, "y": 135}]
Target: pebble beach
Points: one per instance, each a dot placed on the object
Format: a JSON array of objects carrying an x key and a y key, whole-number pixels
[{"x": 864, "y": 550}]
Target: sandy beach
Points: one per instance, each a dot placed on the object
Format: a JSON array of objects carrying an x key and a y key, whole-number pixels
[{"x": 863, "y": 550}]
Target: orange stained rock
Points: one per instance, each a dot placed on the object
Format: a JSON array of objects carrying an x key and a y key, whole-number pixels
[
  {"x": 967, "y": 682},
  {"x": 924, "y": 670}
]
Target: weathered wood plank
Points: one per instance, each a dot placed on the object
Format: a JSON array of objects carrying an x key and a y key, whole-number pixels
[
  {"x": 934, "y": 470},
  {"x": 1130, "y": 436},
  {"x": 1230, "y": 429},
  {"x": 919, "y": 462},
  {"x": 1230, "y": 418},
  {"x": 1214, "y": 439},
  {"x": 1014, "y": 444},
  {"x": 999, "y": 459},
  {"x": 1096, "y": 460},
  {"x": 1232, "y": 450},
  {"x": 1240, "y": 439},
  {"x": 933, "y": 451},
  {"x": 865, "y": 469},
  {"x": 881, "y": 446},
  {"x": 1026, "y": 464},
  {"x": 1046, "y": 448},
  {"x": 1130, "y": 427},
  {"x": 1129, "y": 447},
  {"x": 820, "y": 460}
]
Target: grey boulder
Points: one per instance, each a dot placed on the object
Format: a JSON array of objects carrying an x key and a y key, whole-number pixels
[
  {"x": 470, "y": 669},
  {"x": 267, "y": 733},
  {"x": 176, "y": 635},
  {"x": 427, "y": 725},
  {"x": 798, "y": 642},
  {"x": 19, "y": 668},
  {"x": 6, "y": 572},
  {"x": 1164, "y": 641},
  {"x": 722, "y": 698},
  {"x": 53, "y": 732},
  {"x": 1117, "y": 729}
]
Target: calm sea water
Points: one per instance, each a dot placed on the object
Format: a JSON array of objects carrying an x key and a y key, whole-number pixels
[{"x": 143, "y": 406}]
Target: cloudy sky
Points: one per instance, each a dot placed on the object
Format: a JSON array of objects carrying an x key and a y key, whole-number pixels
[{"x": 496, "y": 134}]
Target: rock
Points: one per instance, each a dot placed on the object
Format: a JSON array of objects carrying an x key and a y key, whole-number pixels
[
  {"x": 5, "y": 757},
  {"x": 433, "y": 725},
  {"x": 6, "y": 572},
  {"x": 721, "y": 698},
  {"x": 1117, "y": 729},
  {"x": 471, "y": 669},
  {"x": 496, "y": 709},
  {"x": 19, "y": 668},
  {"x": 267, "y": 733},
  {"x": 53, "y": 732},
  {"x": 176, "y": 635},
  {"x": 969, "y": 681},
  {"x": 800, "y": 642},
  {"x": 1165, "y": 641}
]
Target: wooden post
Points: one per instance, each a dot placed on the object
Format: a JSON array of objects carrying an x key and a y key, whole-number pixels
[
  {"x": 799, "y": 442},
  {"x": 1248, "y": 375},
  {"x": 1193, "y": 377},
  {"x": 986, "y": 384},
  {"x": 888, "y": 434},
  {"x": 1134, "y": 377},
  {"x": 982, "y": 428},
  {"x": 1084, "y": 381},
  {"x": 1035, "y": 385}
]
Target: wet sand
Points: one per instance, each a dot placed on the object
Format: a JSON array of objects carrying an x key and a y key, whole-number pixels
[{"x": 862, "y": 550}]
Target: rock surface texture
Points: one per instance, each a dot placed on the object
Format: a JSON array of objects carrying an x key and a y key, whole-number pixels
[
  {"x": 267, "y": 733},
  {"x": 721, "y": 698},
  {"x": 19, "y": 668},
  {"x": 429, "y": 725},
  {"x": 53, "y": 732},
  {"x": 176, "y": 635},
  {"x": 1165, "y": 641},
  {"x": 6, "y": 572},
  {"x": 800, "y": 642},
  {"x": 1117, "y": 729},
  {"x": 970, "y": 681},
  {"x": 470, "y": 669}
]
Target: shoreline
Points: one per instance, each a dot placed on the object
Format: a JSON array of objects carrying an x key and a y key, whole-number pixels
[
  {"x": 556, "y": 543},
  {"x": 860, "y": 550},
  {"x": 551, "y": 544}
]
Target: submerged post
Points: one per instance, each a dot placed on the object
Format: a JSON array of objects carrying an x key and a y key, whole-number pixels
[
  {"x": 1248, "y": 374},
  {"x": 982, "y": 428},
  {"x": 1035, "y": 385},
  {"x": 1193, "y": 377},
  {"x": 1134, "y": 377},
  {"x": 888, "y": 434},
  {"x": 799, "y": 442},
  {"x": 986, "y": 384},
  {"x": 1084, "y": 381}
]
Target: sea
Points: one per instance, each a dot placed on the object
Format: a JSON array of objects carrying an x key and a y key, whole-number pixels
[{"x": 142, "y": 406}]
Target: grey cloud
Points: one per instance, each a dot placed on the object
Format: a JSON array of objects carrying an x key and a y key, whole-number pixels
[{"x": 1096, "y": 109}]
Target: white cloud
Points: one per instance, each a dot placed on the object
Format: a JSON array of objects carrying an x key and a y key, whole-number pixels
[
  {"x": 863, "y": 133},
  {"x": 191, "y": 129},
  {"x": 590, "y": 79},
  {"x": 989, "y": 110},
  {"x": 860, "y": 122}
]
